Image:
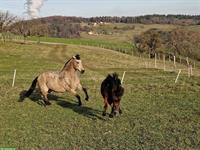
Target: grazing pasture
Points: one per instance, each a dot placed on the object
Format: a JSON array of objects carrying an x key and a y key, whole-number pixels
[{"x": 157, "y": 113}]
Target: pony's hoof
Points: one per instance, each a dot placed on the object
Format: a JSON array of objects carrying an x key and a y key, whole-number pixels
[
  {"x": 47, "y": 103},
  {"x": 87, "y": 98},
  {"x": 116, "y": 113},
  {"x": 111, "y": 115},
  {"x": 104, "y": 114},
  {"x": 120, "y": 111}
]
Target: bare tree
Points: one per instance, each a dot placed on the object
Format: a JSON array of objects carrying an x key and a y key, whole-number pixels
[
  {"x": 6, "y": 20},
  {"x": 21, "y": 27},
  {"x": 39, "y": 30}
]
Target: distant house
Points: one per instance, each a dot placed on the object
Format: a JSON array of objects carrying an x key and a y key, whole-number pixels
[
  {"x": 90, "y": 33},
  {"x": 95, "y": 24}
]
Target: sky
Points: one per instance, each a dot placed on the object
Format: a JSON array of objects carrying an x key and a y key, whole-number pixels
[{"x": 89, "y": 8}]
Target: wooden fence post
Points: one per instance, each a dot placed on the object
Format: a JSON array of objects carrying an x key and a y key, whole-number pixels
[
  {"x": 155, "y": 60},
  {"x": 149, "y": 60},
  {"x": 169, "y": 59},
  {"x": 14, "y": 75},
  {"x": 174, "y": 62},
  {"x": 191, "y": 73},
  {"x": 164, "y": 62},
  {"x": 188, "y": 68},
  {"x": 178, "y": 75},
  {"x": 187, "y": 60},
  {"x": 122, "y": 80}
]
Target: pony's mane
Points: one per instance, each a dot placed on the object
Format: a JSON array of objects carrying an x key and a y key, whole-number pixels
[
  {"x": 77, "y": 56},
  {"x": 113, "y": 79},
  {"x": 113, "y": 82},
  {"x": 68, "y": 61},
  {"x": 113, "y": 76}
]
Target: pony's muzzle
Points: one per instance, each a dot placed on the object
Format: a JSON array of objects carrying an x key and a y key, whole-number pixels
[{"x": 82, "y": 71}]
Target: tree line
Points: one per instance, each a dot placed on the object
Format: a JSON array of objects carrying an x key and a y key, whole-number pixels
[
  {"x": 152, "y": 19},
  {"x": 70, "y": 27},
  {"x": 178, "y": 42},
  {"x": 146, "y": 19}
]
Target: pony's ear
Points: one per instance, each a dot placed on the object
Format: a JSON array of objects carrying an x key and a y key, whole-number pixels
[
  {"x": 74, "y": 57},
  {"x": 78, "y": 57}
]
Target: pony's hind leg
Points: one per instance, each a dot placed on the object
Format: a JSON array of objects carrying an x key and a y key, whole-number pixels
[
  {"x": 44, "y": 94},
  {"x": 44, "y": 90}
]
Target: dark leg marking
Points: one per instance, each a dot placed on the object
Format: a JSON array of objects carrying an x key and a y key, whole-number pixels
[
  {"x": 79, "y": 100},
  {"x": 86, "y": 94},
  {"x": 111, "y": 115},
  {"x": 105, "y": 106},
  {"x": 120, "y": 111}
]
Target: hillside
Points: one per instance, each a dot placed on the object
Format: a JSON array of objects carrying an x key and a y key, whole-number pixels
[
  {"x": 157, "y": 113},
  {"x": 175, "y": 34},
  {"x": 132, "y": 38}
]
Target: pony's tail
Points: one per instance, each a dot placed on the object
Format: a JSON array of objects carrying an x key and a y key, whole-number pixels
[{"x": 33, "y": 85}]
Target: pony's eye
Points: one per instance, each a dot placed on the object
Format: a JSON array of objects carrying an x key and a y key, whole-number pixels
[{"x": 77, "y": 62}]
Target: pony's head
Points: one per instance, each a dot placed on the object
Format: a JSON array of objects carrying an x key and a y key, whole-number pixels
[{"x": 77, "y": 63}]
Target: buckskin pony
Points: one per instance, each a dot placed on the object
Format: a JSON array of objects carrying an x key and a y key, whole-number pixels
[{"x": 66, "y": 80}]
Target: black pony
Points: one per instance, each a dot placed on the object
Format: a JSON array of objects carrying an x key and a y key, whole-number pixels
[{"x": 112, "y": 91}]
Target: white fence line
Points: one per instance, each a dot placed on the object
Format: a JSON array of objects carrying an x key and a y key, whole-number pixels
[{"x": 135, "y": 77}]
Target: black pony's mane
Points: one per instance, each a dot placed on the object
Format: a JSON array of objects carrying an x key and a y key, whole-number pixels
[
  {"x": 112, "y": 85},
  {"x": 114, "y": 77}
]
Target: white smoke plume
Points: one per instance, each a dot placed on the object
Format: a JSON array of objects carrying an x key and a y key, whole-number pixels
[{"x": 33, "y": 7}]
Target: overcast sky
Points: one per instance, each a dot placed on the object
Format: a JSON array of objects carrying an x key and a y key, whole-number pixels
[{"x": 88, "y": 8}]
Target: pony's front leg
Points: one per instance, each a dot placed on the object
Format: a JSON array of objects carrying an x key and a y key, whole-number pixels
[
  {"x": 84, "y": 90},
  {"x": 86, "y": 94},
  {"x": 77, "y": 96},
  {"x": 79, "y": 100},
  {"x": 105, "y": 106}
]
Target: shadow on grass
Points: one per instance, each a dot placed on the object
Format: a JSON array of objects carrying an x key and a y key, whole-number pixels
[
  {"x": 69, "y": 103},
  {"x": 35, "y": 97},
  {"x": 83, "y": 110}
]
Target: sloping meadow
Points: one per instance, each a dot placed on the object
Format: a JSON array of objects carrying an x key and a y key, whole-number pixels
[{"x": 157, "y": 113}]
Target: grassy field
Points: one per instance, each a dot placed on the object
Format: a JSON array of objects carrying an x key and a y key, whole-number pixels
[
  {"x": 122, "y": 32},
  {"x": 103, "y": 43},
  {"x": 157, "y": 114}
]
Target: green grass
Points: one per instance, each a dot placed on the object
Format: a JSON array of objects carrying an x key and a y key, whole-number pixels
[
  {"x": 193, "y": 27},
  {"x": 114, "y": 45},
  {"x": 157, "y": 114}
]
